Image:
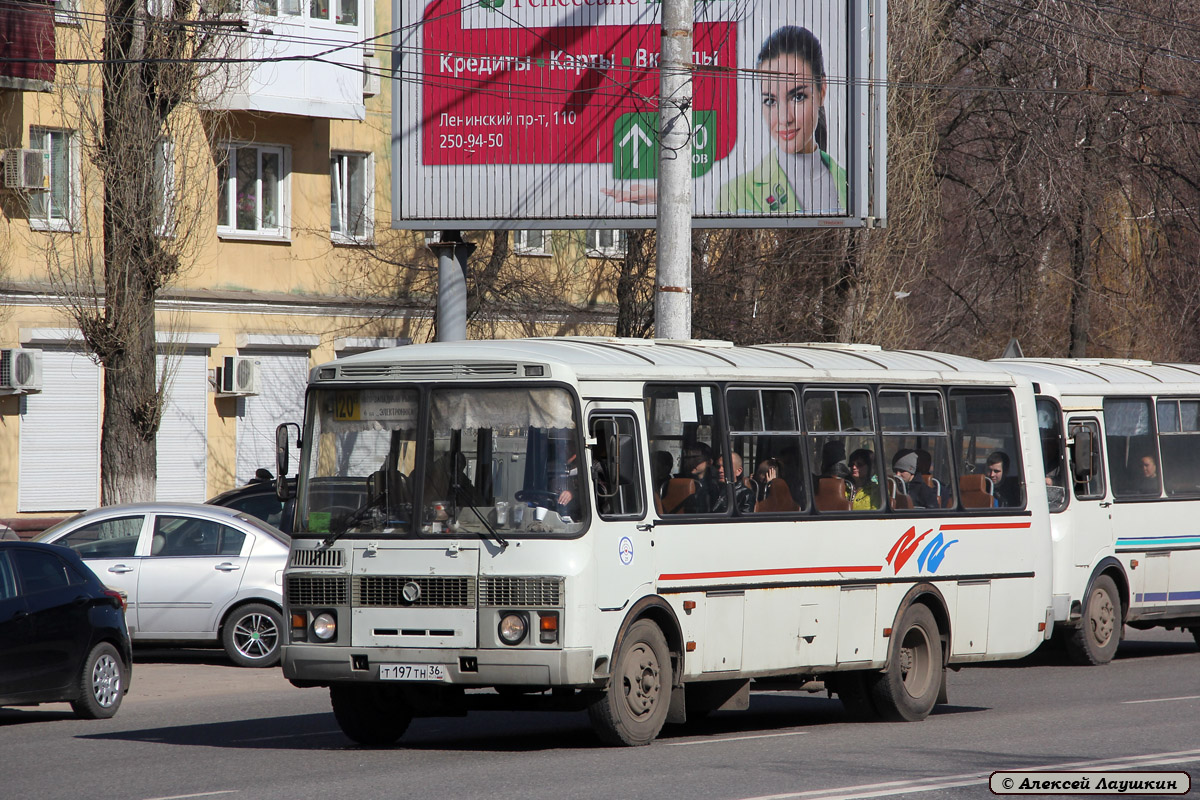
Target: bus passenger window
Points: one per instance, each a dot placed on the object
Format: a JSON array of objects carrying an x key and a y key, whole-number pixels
[
  {"x": 1179, "y": 445},
  {"x": 1130, "y": 438},
  {"x": 683, "y": 425},
  {"x": 984, "y": 431},
  {"x": 766, "y": 471},
  {"x": 841, "y": 428},
  {"x": 917, "y": 450}
]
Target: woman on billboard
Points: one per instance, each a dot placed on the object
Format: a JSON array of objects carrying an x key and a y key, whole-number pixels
[{"x": 797, "y": 175}]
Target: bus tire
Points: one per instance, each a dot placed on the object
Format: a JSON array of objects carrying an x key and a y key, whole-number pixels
[
  {"x": 632, "y": 710},
  {"x": 367, "y": 715},
  {"x": 908, "y": 689},
  {"x": 1095, "y": 639},
  {"x": 1196, "y": 636},
  {"x": 853, "y": 690}
]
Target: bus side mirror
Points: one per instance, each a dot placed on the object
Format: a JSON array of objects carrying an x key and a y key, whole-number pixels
[
  {"x": 282, "y": 458},
  {"x": 1081, "y": 454}
]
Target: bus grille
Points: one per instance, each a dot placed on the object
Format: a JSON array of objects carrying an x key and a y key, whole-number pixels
[
  {"x": 318, "y": 558},
  {"x": 386, "y": 591},
  {"x": 316, "y": 590},
  {"x": 502, "y": 591}
]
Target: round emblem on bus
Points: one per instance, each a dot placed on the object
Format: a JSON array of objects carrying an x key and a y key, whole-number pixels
[
  {"x": 411, "y": 592},
  {"x": 626, "y": 548}
]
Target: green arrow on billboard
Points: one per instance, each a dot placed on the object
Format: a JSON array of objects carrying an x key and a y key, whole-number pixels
[{"x": 635, "y": 145}]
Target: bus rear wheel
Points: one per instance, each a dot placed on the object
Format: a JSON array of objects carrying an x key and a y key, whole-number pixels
[
  {"x": 908, "y": 689},
  {"x": 368, "y": 715},
  {"x": 632, "y": 710},
  {"x": 1095, "y": 639}
]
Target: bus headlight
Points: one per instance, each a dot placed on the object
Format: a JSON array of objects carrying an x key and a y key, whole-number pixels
[
  {"x": 513, "y": 627},
  {"x": 324, "y": 626}
]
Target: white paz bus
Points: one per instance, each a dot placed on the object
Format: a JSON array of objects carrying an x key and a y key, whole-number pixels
[
  {"x": 642, "y": 528},
  {"x": 1121, "y": 444}
]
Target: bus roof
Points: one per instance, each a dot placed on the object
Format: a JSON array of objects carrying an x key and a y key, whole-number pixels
[
  {"x": 1106, "y": 375},
  {"x": 596, "y": 358}
]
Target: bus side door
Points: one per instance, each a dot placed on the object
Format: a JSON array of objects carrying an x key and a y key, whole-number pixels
[{"x": 622, "y": 550}]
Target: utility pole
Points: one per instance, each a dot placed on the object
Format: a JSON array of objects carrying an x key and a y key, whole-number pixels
[
  {"x": 452, "y": 253},
  {"x": 673, "y": 295}
]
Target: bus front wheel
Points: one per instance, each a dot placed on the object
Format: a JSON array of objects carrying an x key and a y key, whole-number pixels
[
  {"x": 1095, "y": 639},
  {"x": 368, "y": 715},
  {"x": 632, "y": 710},
  {"x": 908, "y": 689}
]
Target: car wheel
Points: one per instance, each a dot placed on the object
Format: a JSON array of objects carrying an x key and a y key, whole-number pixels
[
  {"x": 368, "y": 714},
  {"x": 908, "y": 689},
  {"x": 101, "y": 684},
  {"x": 252, "y": 635},
  {"x": 1095, "y": 639},
  {"x": 632, "y": 710}
]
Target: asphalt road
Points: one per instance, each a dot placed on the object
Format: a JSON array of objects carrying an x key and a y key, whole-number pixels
[{"x": 195, "y": 727}]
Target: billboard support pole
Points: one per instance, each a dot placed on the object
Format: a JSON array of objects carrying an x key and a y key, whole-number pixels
[
  {"x": 673, "y": 296},
  {"x": 452, "y": 253}
]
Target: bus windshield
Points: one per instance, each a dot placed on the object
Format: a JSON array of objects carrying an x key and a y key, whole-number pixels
[{"x": 502, "y": 460}]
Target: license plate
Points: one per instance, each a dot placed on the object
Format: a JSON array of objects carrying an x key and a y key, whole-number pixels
[{"x": 412, "y": 672}]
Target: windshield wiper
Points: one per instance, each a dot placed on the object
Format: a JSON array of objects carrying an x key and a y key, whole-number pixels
[
  {"x": 496, "y": 537},
  {"x": 350, "y": 520}
]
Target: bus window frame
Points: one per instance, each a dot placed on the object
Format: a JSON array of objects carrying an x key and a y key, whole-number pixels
[
  {"x": 1099, "y": 455},
  {"x": 720, "y": 438},
  {"x": 642, "y": 479},
  {"x": 797, "y": 392},
  {"x": 1016, "y": 462}
]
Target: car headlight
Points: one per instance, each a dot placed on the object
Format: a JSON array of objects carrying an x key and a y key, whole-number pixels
[
  {"x": 324, "y": 626},
  {"x": 513, "y": 627}
]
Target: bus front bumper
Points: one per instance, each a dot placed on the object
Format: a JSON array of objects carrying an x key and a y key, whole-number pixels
[{"x": 317, "y": 665}]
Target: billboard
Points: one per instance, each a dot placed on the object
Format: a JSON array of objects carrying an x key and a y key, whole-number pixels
[{"x": 544, "y": 113}]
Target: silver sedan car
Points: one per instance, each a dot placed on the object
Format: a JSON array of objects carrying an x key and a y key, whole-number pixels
[{"x": 192, "y": 573}]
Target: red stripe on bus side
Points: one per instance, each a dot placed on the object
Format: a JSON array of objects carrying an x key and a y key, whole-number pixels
[
  {"x": 747, "y": 573},
  {"x": 984, "y": 526}
]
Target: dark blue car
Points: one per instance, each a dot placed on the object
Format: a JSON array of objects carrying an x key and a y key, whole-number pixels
[{"x": 62, "y": 632}]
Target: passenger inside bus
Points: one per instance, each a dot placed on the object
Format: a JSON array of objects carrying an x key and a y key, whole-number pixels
[
  {"x": 863, "y": 487},
  {"x": 1148, "y": 481},
  {"x": 904, "y": 467},
  {"x": 1006, "y": 488},
  {"x": 743, "y": 495}
]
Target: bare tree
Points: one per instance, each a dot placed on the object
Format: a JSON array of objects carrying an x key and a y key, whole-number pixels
[{"x": 132, "y": 97}]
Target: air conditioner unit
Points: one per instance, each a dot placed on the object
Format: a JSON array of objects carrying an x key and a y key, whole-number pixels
[
  {"x": 372, "y": 77},
  {"x": 28, "y": 170},
  {"x": 239, "y": 376},
  {"x": 20, "y": 371}
]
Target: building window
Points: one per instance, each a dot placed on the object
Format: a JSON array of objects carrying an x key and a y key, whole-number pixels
[
  {"x": 347, "y": 12},
  {"x": 56, "y": 209},
  {"x": 608, "y": 244},
  {"x": 531, "y": 243},
  {"x": 66, "y": 12},
  {"x": 351, "y": 212},
  {"x": 252, "y": 184}
]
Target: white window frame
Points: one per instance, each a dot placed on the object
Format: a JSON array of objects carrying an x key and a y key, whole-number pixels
[
  {"x": 40, "y": 139},
  {"x": 281, "y": 231},
  {"x": 66, "y": 12},
  {"x": 339, "y": 191},
  {"x": 522, "y": 246},
  {"x": 617, "y": 249}
]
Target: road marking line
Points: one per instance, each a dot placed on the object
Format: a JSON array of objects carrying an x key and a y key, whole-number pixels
[
  {"x": 1161, "y": 699},
  {"x": 198, "y": 794},
  {"x": 734, "y": 738},
  {"x": 891, "y": 788},
  {"x": 283, "y": 736}
]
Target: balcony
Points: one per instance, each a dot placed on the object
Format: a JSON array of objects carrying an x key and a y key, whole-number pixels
[{"x": 301, "y": 57}]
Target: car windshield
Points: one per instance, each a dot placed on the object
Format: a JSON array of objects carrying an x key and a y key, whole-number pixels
[{"x": 495, "y": 461}]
